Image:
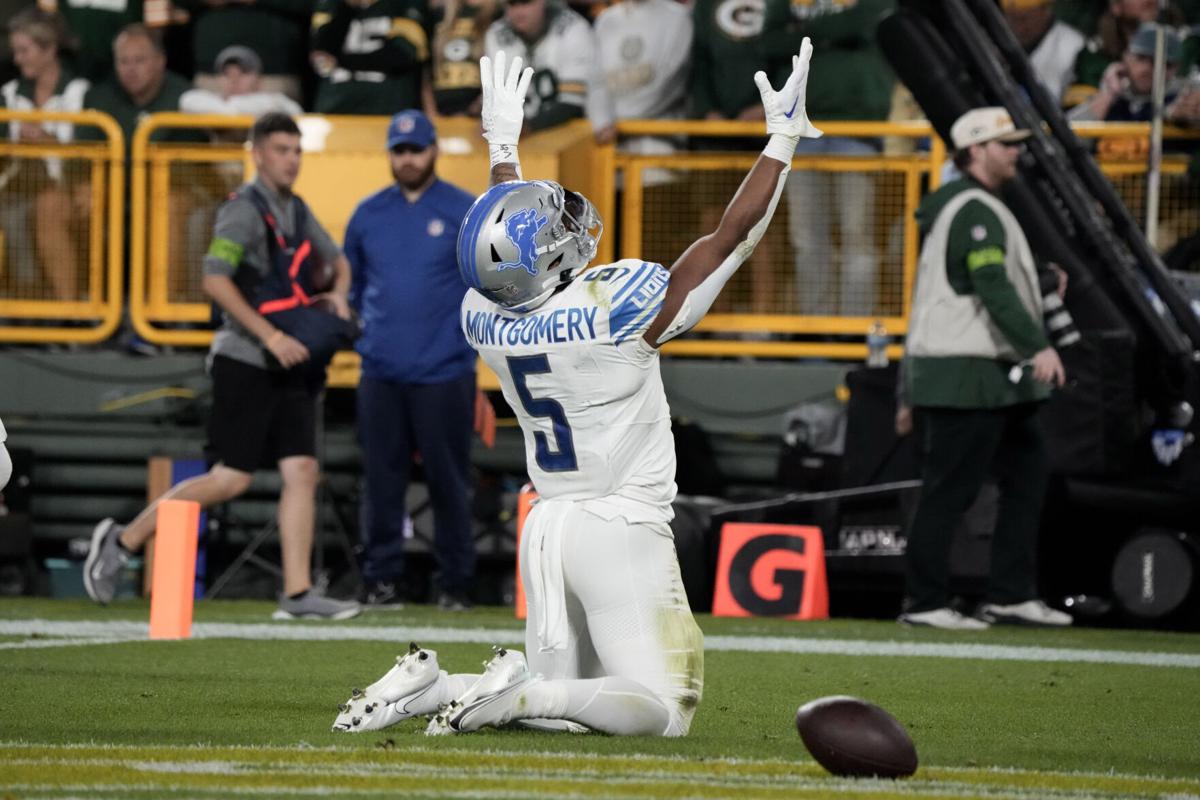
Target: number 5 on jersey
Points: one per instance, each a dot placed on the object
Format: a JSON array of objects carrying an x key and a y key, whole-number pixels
[{"x": 560, "y": 460}]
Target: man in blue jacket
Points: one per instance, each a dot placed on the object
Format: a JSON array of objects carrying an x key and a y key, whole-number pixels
[{"x": 417, "y": 390}]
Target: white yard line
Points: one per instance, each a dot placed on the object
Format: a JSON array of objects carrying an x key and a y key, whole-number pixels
[
  {"x": 552, "y": 783},
  {"x": 33, "y": 644},
  {"x": 70, "y": 632}
]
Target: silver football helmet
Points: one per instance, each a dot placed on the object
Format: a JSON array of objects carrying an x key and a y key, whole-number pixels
[{"x": 522, "y": 240}]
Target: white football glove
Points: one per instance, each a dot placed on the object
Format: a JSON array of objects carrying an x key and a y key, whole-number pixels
[
  {"x": 503, "y": 98},
  {"x": 785, "y": 109}
]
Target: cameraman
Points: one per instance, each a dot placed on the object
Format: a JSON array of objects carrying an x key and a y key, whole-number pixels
[
  {"x": 259, "y": 270},
  {"x": 978, "y": 364}
]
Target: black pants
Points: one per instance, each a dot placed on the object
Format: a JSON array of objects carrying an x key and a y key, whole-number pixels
[
  {"x": 394, "y": 421},
  {"x": 962, "y": 448}
]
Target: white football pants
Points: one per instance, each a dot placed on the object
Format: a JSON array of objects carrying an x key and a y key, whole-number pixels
[{"x": 608, "y": 623}]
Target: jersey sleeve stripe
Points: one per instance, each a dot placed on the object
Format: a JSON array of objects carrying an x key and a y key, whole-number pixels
[
  {"x": 631, "y": 308},
  {"x": 636, "y": 326},
  {"x": 629, "y": 284},
  {"x": 635, "y": 283},
  {"x": 640, "y": 308}
]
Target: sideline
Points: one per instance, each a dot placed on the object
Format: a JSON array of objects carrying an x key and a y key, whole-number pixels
[{"x": 54, "y": 633}]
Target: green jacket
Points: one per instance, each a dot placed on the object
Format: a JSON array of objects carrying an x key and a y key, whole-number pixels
[
  {"x": 275, "y": 29},
  {"x": 381, "y": 52},
  {"x": 977, "y": 246},
  {"x": 110, "y": 98},
  {"x": 96, "y": 25},
  {"x": 850, "y": 78},
  {"x": 726, "y": 52}
]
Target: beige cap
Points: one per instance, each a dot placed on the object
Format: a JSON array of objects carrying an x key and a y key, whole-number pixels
[{"x": 979, "y": 125}]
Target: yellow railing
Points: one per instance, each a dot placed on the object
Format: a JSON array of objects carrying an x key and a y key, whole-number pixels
[
  {"x": 175, "y": 189},
  {"x": 767, "y": 288},
  {"x": 62, "y": 243}
]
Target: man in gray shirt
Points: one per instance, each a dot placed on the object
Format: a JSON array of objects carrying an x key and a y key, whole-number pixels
[{"x": 260, "y": 267}]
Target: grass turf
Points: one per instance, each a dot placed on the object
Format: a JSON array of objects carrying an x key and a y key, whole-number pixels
[{"x": 966, "y": 716}]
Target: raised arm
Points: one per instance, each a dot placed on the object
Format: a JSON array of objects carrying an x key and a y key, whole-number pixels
[
  {"x": 504, "y": 89},
  {"x": 699, "y": 274}
]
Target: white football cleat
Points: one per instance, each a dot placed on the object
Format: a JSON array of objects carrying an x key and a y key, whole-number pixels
[
  {"x": 397, "y": 696},
  {"x": 439, "y": 725},
  {"x": 1031, "y": 612},
  {"x": 492, "y": 699}
]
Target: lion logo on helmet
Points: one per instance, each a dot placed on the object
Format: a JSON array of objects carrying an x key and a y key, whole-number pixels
[{"x": 521, "y": 228}]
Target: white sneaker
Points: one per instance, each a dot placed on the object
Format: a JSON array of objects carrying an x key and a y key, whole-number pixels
[
  {"x": 395, "y": 697},
  {"x": 491, "y": 700},
  {"x": 1031, "y": 612},
  {"x": 945, "y": 618}
]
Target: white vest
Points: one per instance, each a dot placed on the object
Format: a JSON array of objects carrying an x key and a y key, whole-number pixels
[
  {"x": 71, "y": 99},
  {"x": 945, "y": 323}
]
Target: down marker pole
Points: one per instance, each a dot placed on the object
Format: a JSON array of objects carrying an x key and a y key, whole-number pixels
[{"x": 173, "y": 589}]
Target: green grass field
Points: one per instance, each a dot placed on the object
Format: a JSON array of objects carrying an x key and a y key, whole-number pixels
[{"x": 90, "y": 709}]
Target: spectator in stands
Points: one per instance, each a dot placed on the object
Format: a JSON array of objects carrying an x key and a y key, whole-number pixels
[
  {"x": 239, "y": 88},
  {"x": 239, "y": 91},
  {"x": 457, "y": 48},
  {"x": 39, "y": 41},
  {"x": 560, "y": 46},
  {"x": 1114, "y": 30},
  {"x": 727, "y": 49},
  {"x": 977, "y": 366},
  {"x": 264, "y": 397},
  {"x": 372, "y": 56},
  {"x": 644, "y": 49},
  {"x": 275, "y": 30},
  {"x": 418, "y": 397},
  {"x": 1125, "y": 89},
  {"x": 96, "y": 25},
  {"x": 853, "y": 83},
  {"x": 1052, "y": 45},
  {"x": 142, "y": 86}
]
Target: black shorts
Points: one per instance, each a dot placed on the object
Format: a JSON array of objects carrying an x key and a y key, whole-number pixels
[{"x": 259, "y": 416}]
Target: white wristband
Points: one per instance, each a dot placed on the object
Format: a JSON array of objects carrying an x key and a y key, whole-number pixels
[
  {"x": 781, "y": 147},
  {"x": 504, "y": 154}
]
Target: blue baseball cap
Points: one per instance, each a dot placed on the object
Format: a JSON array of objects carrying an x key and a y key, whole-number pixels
[{"x": 411, "y": 127}]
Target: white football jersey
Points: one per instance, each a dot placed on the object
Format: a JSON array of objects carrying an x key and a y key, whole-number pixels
[{"x": 586, "y": 388}]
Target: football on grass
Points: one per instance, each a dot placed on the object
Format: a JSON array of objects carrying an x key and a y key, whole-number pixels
[{"x": 856, "y": 739}]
